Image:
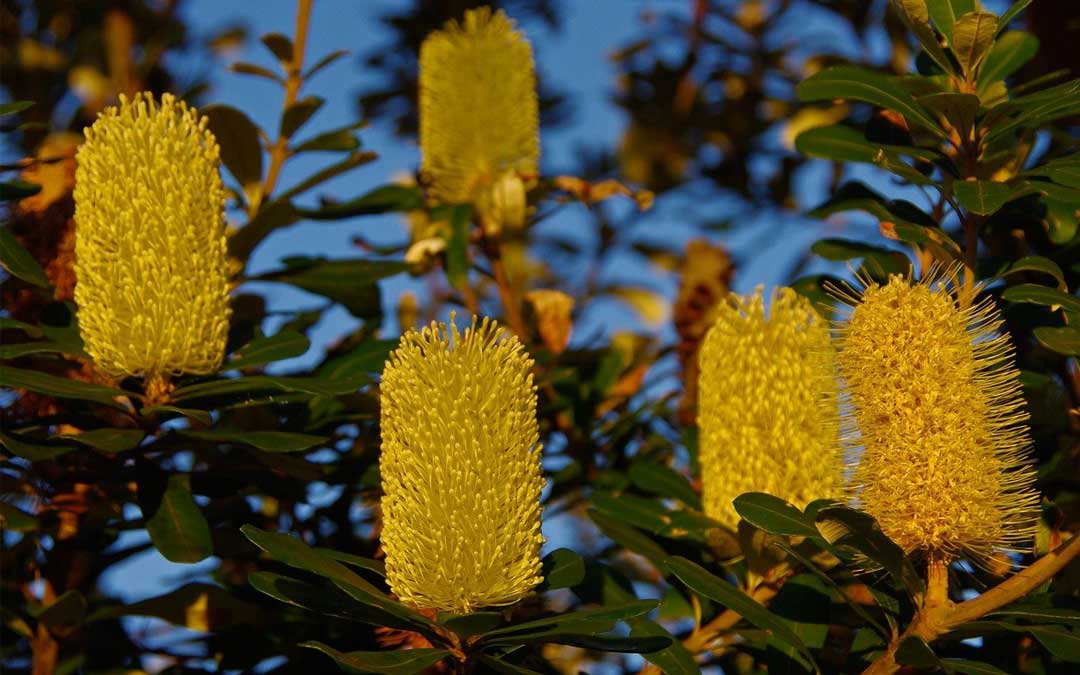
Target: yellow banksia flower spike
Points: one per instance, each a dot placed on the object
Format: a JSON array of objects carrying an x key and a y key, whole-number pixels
[
  {"x": 151, "y": 281},
  {"x": 936, "y": 415},
  {"x": 768, "y": 409},
  {"x": 479, "y": 116},
  {"x": 460, "y": 469}
]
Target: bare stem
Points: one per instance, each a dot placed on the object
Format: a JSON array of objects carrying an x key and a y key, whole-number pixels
[
  {"x": 511, "y": 307},
  {"x": 279, "y": 151}
]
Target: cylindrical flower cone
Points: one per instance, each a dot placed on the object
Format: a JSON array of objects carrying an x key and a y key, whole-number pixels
[
  {"x": 767, "y": 407},
  {"x": 460, "y": 469},
  {"x": 938, "y": 421},
  {"x": 150, "y": 259},
  {"x": 479, "y": 116}
]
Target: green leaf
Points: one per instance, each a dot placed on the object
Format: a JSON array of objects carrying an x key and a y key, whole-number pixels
[
  {"x": 177, "y": 527},
  {"x": 297, "y": 114},
  {"x": 1035, "y": 294},
  {"x": 946, "y": 12},
  {"x": 913, "y": 651},
  {"x": 258, "y": 71},
  {"x": 20, "y": 349},
  {"x": 1064, "y": 340},
  {"x": 984, "y": 197},
  {"x": 354, "y": 160},
  {"x": 608, "y": 643},
  {"x": 1040, "y": 609},
  {"x": 663, "y": 481},
  {"x": 1012, "y": 12},
  {"x": 589, "y": 621},
  {"x": 1010, "y": 51},
  {"x": 325, "y": 601},
  {"x": 198, "y": 606},
  {"x": 366, "y": 358},
  {"x": 60, "y": 387},
  {"x": 674, "y": 659},
  {"x": 501, "y": 667},
  {"x": 65, "y": 613},
  {"x": 15, "y": 519},
  {"x": 842, "y": 143},
  {"x": 280, "y": 46},
  {"x": 1062, "y": 643},
  {"x": 562, "y": 568},
  {"x": 377, "y": 566},
  {"x": 324, "y": 62},
  {"x": 238, "y": 137},
  {"x": 18, "y": 262},
  {"x": 267, "y": 441},
  {"x": 198, "y": 416},
  {"x": 34, "y": 450},
  {"x": 285, "y": 344},
  {"x": 965, "y": 667},
  {"x": 385, "y": 199},
  {"x": 107, "y": 440},
  {"x": 468, "y": 625},
  {"x": 14, "y": 107},
  {"x": 14, "y": 324},
  {"x": 861, "y": 84},
  {"x": 710, "y": 586},
  {"x": 773, "y": 515},
  {"x": 845, "y": 527},
  {"x": 401, "y": 662},
  {"x": 1063, "y": 170},
  {"x": 972, "y": 37},
  {"x": 1034, "y": 263},
  {"x": 14, "y": 190},
  {"x": 915, "y": 15},
  {"x": 337, "y": 140},
  {"x": 272, "y": 216},
  {"x": 350, "y": 282},
  {"x": 958, "y": 109},
  {"x": 261, "y": 383},
  {"x": 881, "y": 260},
  {"x": 457, "y": 249}
]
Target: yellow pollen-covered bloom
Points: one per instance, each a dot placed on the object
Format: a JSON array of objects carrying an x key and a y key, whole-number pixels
[
  {"x": 460, "y": 469},
  {"x": 936, "y": 406},
  {"x": 150, "y": 268},
  {"x": 768, "y": 409},
  {"x": 479, "y": 116}
]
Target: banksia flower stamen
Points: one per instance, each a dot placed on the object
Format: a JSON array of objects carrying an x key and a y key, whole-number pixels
[
  {"x": 460, "y": 469},
  {"x": 937, "y": 405},
  {"x": 479, "y": 116},
  {"x": 150, "y": 266},
  {"x": 767, "y": 404}
]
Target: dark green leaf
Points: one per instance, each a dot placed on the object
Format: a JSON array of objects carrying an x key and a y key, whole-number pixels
[
  {"x": 1011, "y": 13},
  {"x": 177, "y": 527},
  {"x": 562, "y": 568},
  {"x": 468, "y": 625},
  {"x": 279, "y": 45},
  {"x": 959, "y": 110},
  {"x": 860, "y": 84},
  {"x": 846, "y": 527},
  {"x": 608, "y": 643},
  {"x": 841, "y": 143},
  {"x": 17, "y": 261},
  {"x": 14, "y": 107},
  {"x": 965, "y": 667},
  {"x": 401, "y": 662},
  {"x": 337, "y": 140},
  {"x": 366, "y": 358},
  {"x": 1035, "y": 294},
  {"x": 272, "y": 216},
  {"x": 198, "y": 416},
  {"x": 350, "y": 282},
  {"x": 65, "y": 613},
  {"x": 881, "y": 260},
  {"x": 354, "y": 160},
  {"x": 19, "y": 349},
  {"x": 774, "y": 515},
  {"x": 707, "y": 585},
  {"x": 592, "y": 621},
  {"x": 14, "y": 324},
  {"x": 1034, "y": 263},
  {"x": 15, "y": 519},
  {"x": 258, "y": 71},
  {"x": 198, "y": 606},
  {"x": 267, "y": 441},
  {"x": 34, "y": 450},
  {"x": 14, "y": 190},
  {"x": 1064, "y": 340},
  {"x": 325, "y": 61},
  {"x": 674, "y": 659},
  {"x": 261, "y": 383},
  {"x": 913, "y": 651},
  {"x": 984, "y": 197},
  {"x": 377, "y": 566},
  {"x": 326, "y": 601},
  {"x": 1010, "y": 51},
  {"x": 238, "y": 137},
  {"x": 972, "y": 37},
  {"x": 946, "y": 12},
  {"x": 60, "y": 387},
  {"x": 1063, "y": 170},
  {"x": 629, "y": 537},
  {"x": 385, "y": 199},
  {"x": 369, "y": 595},
  {"x": 457, "y": 249},
  {"x": 108, "y": 440},
  {"x": 297, "y": 114},
  {"x": 501, "y": 667},
  {"x": 285, "y": 344},
  {"x": 915, "y": 16},
  {"x": 663, "y": 481}
]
